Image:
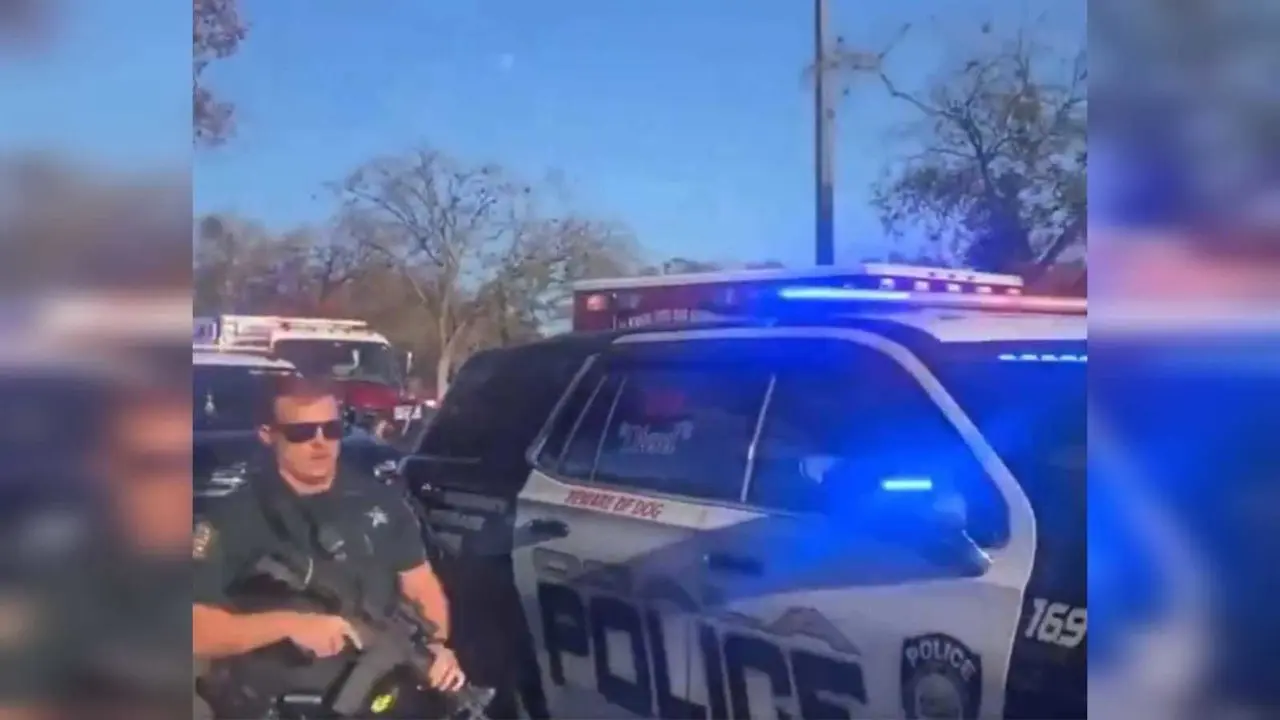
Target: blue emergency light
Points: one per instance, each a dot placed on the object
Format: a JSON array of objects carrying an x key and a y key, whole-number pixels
[
  {"x": 928, "y": 287},
  {"x": 906, "y": 484},
  {"x": 1043, "y": 357},
  {"x": 838, "y": 294}
]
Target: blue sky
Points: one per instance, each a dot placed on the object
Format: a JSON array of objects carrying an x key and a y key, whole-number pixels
[
  {"x": 110, "y": 86},
  {"x": 687, "y": 120}
]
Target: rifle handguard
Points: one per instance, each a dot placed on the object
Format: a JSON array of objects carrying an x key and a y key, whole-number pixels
[
  {"x": 378, "y": 659},
  {"x": 470, "y": 702}
]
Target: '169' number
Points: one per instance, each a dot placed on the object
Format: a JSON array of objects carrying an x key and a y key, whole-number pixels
[{"x": 1057, "y": 623}]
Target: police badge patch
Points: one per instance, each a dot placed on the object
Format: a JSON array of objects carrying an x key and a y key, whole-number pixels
[
  {"x": 941, "y": 678},
  {"x": 201, "y": 539}
]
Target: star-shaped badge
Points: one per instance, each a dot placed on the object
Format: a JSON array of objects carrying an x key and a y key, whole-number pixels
[{"x": 377, "y": 517}]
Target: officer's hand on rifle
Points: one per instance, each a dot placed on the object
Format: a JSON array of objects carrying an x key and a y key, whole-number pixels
[
  {"x": 322, "y": 635},
  {"x": 445, "y": 674}
]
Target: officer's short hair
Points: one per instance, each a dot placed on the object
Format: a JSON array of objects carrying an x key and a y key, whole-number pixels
[{"x": 297, "y": 386}]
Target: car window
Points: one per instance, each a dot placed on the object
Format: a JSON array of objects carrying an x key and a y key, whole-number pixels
[
  {"x": 1033, "y": 413},
  {"x": 229, "y": 397},
  {"x": 587, "y": 429},
  {"x": 567, "y": 421},
  {"x": 838, "y": 436},
  {"x": 461, "y": 423},
  {"x": 344, "y": 359},
  {"x": 678, "y": 429},
  {"x": 491, "y": 415}
]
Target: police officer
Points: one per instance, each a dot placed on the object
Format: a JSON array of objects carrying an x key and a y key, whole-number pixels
[{"x": 280, "y": 508}]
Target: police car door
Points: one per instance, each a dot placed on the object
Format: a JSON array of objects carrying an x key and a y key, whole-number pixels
[
  {"x": 876, "y": 565},
  {"x": 641, "y": 448}
]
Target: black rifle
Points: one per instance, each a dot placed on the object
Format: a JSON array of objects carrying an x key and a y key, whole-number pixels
[{"x": 391, "y": 640}]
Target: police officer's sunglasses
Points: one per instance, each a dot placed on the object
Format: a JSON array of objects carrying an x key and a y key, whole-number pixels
[{"x": 301, "y": 432}]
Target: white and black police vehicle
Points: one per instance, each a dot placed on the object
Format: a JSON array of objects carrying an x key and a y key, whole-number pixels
[{"x": 863, "y": 496}]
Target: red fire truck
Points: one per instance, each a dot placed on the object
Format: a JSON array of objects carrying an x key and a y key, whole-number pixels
[
  {"x": 675, "y": 299},
  {"x": 370, "y": 372}
]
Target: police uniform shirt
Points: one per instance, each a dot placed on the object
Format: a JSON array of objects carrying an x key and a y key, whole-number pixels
[{"x": 380, "y": 534}]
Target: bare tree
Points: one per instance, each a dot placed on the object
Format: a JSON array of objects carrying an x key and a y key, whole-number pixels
[
  {"x": 240, "y": 266},
  {"x": 680, "y": 265},
  {"x": 235, "y": 263},
  {"x": 998, "y": 181},
  {"x": 468, "y": 241},
  {"x": 324, "y": 263},
  {"x": 534, "y": 287},
  {"x": 217, "y": 31}
]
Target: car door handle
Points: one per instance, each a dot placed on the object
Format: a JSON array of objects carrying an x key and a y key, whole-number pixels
[
  {"x": 738, "y": 564},
  {"x": 548, "y": 528}
]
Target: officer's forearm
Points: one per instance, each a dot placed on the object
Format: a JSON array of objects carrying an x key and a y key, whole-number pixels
[
  {"x": 217, "y": 633},
  {"x": 423, "y": 590}
]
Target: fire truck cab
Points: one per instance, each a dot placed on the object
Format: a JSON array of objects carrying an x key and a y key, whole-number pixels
[{"x": 369, "y": 370}]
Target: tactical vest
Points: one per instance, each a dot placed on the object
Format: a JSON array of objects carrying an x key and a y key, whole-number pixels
[{"x": 245, "y": 686}]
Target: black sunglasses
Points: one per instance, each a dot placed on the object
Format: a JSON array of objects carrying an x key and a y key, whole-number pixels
[{"x": 306, "y": 431}]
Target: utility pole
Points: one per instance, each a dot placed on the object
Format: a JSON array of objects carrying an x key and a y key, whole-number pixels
[{"x": 824, "y": 150}]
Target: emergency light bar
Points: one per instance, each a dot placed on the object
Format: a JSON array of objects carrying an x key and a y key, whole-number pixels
[
  {"x": 774, "y": 294},
  {"x": 805, "y": 276},
  {"x": 318, "y": 326},
  {"x": 920, "y": 272},
  {"x": 907, "y": 484},
  {"x": 1044, "y": 357},
  {"x": 977, "y": 299},
  {"x": 932, "y": 287},
  {"x": 224, "y": 349},
  {"x": 259, "y": 330}
]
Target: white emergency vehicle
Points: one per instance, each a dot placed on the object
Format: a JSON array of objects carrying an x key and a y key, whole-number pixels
[{"x": 864, "y": 497}]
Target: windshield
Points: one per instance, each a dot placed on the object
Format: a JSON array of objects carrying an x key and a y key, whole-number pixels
[
  {"x": 342, "y": 359},
  {"x": 229, "y": 397},
  {"x": 1032, "y": 411}
]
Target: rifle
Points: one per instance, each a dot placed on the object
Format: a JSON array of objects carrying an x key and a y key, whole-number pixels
[{"x": 391, "y": 640}]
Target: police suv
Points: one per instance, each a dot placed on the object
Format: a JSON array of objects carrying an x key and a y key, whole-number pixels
[{"x": 864, "y": 499}]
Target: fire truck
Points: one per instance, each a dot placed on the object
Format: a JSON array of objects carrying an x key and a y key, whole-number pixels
[
  {"x": 635, "y": 302},
  {"x": 369, "y": 371}
]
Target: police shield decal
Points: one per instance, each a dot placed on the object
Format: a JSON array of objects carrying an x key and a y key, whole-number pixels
[{"x": 941, "y": 678}]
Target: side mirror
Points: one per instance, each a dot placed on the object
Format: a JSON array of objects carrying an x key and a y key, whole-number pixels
[
  {"x": 538, "y": 531},
  {"x": 911, "y": 511},
  {"x": 548, "y": 529},
  {"x": 932, "y": 519},
  {"x": 917, "y": 496}
]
